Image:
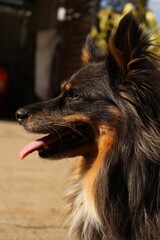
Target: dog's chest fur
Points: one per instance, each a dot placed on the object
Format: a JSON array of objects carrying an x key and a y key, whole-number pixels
[{"x": 81, "y": 209}]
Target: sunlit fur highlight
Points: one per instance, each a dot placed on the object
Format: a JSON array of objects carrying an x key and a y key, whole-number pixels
[{"x": 114, "y": 187}]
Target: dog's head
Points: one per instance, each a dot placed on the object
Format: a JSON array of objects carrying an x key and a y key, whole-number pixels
[
  {"x": 108, "y": 112},
  {"x": 115, "y": 96}
]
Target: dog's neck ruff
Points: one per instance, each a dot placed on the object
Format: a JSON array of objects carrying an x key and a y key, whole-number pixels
[{"x": 83, "y": 216}]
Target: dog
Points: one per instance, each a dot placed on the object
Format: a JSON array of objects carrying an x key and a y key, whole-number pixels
[{"x": 108, "y": 114}]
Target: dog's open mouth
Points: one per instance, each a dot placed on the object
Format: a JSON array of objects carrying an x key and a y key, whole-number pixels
[{"x": 62, "y": 143}]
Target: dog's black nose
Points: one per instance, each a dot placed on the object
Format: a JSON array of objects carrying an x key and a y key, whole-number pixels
[{"x": 21, "y": 114}]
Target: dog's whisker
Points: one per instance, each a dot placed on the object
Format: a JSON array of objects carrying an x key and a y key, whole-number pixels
[
  {"x": 56, "y": 131},
  {"x": 72, "y": 128}
]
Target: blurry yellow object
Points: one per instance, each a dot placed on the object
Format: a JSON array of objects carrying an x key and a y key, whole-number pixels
[
  {"x": 109, "y": 19},
  {"x": 128, "y": 8},
  {"x": 151, "y": 20}
]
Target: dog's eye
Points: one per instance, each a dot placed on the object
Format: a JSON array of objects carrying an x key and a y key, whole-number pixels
[{"x": 73, "y": 95}]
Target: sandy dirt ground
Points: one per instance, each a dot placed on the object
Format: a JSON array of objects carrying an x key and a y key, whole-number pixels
[{"x": 31, "y": 191}]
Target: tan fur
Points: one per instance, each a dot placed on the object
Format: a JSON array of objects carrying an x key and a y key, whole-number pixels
[
  {"x": 66, "y": 86},
  {"x": 117, "y": 55},
  {"x": 86, "y": 56},
  {"x": 81, "y": 192},
  {"x": 74, "y": 117}
]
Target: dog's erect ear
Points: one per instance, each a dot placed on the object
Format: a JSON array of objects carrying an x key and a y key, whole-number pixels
[
  {"x": 91, "y": 52},
  {"x": 127, "y": 45}
]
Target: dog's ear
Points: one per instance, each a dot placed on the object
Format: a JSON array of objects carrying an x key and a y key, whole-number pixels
[
  {"x": 127, "y": 45},
  {"x": 91, "y": 52}
]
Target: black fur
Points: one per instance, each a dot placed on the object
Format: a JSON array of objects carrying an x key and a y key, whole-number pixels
[{"x": 122, "y": 90}]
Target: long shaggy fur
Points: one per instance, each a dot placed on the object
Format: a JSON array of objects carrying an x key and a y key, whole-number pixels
[
  {"x": 114, "y": 188},
  {"x": 127, "y": 187}
]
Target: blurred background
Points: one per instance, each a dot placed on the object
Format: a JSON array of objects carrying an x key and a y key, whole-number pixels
[
  {"x": 40, "y": 46},
  {"x": 41, "y": 42}
]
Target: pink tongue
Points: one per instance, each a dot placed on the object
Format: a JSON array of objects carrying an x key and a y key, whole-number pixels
[
  {"x": 35, "y": 145},
  {"x": 29, "y": 148}
]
